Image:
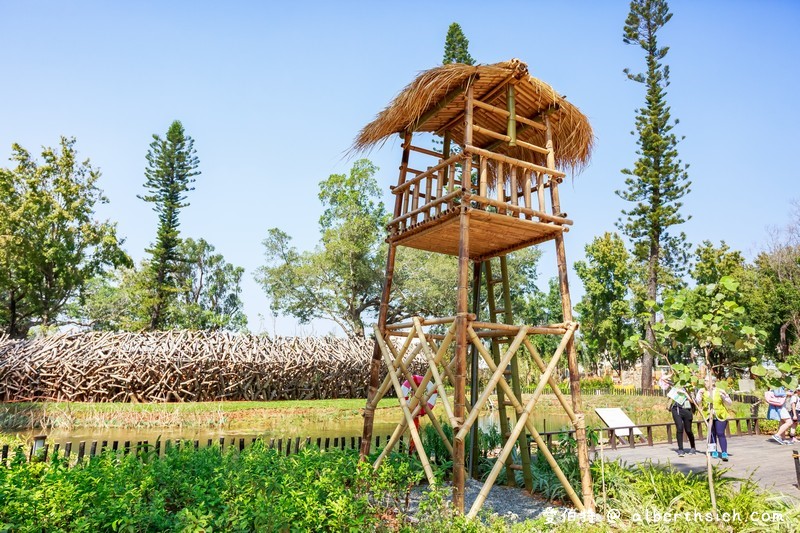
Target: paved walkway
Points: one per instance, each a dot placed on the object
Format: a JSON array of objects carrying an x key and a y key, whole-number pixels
[{"x": 770, "y": 463}]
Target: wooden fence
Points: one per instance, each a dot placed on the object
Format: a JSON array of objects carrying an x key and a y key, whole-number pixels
[{"x": 75, "y": 455}]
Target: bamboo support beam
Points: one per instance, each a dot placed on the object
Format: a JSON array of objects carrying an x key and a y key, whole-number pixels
[
  {"x": 511, "y": 128},
  {"x": 507, "y": 139},
  {"x": 500, "y": 189},
  {"x": 425, "y": 151},
  {"x": 488, "y": 96},
  {"x": 483, "y": 177},
  {"x": 572, "y": 355},
  {"x": 427, "y": 322},
  {"x": 502, "y": 112},
  {"x": 545, "y": 217},
  {"x": 526, "y": 191},
  {"x": 469, "y": 148},
  {"x": 444, "y": 102}
]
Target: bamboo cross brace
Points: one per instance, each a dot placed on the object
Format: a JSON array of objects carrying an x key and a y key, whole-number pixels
[
  {"x": 432, "y": 363},
  {"x": 415, "y": 403},
  {"x": 521, "y": 420},
  {"x": 423, "y": 456},
  {"x": 401, "y": 428},
  {"x": 518, "y": 408},
  {"x": 437, "y": 360},
  {"x": 397, "y": 360},
  {"x": 552, "y": 382},
  {"x": 489, "y": 389}
]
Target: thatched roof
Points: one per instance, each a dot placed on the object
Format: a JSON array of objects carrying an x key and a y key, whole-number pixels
[{"x": 573, "y": 137}]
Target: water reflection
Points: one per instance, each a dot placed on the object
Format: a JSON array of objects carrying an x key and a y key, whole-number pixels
[{"x": 325, "y": 429}]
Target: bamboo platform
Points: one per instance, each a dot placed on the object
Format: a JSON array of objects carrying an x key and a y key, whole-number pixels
[{"x": 492, "y": 234}]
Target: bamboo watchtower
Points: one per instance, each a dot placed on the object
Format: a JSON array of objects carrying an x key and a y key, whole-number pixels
[{"x": 516, "y": 136}]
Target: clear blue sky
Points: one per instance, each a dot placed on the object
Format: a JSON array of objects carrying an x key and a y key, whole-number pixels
[{"x": 274, "y": 93}]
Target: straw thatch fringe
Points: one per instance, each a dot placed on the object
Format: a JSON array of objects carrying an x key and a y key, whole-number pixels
[
  {"x": 573, "y": 137},
  {"x": 182, "y": 366}
]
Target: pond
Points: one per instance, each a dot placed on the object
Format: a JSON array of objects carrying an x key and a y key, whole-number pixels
[{"x": 317, "y": 429}]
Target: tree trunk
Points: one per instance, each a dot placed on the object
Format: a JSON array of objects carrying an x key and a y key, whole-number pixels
[{"x": 649, "y": 334}]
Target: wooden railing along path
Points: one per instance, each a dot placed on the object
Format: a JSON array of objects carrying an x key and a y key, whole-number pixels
[{"x": 41, "y": 450}]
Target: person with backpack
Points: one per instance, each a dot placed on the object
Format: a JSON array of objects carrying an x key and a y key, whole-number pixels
[{"x": 714, "y": 403}]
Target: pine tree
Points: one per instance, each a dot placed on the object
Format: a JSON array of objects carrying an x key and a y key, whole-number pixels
[
  {"x": 170, "y": 171},
  {"x": 456, "y": 46},
  {"x": 658, "y": 180}
]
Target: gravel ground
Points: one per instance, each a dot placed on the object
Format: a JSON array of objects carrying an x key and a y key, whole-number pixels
[{"x": 513, "y": 504}]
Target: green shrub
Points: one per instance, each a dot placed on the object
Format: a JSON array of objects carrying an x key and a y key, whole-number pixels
[
  {"x": 768, "y": 427},
  {"x": 199, "y": 490}
]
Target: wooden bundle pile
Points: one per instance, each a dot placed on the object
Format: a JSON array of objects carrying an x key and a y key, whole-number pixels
[{"x": 182, "y": 366}]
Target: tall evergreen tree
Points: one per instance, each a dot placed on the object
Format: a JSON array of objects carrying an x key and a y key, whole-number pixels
[
  {"x": 170, "y": 171},
  {"x": 658, "y": 180},
  {"x": 456, "y": 46}
]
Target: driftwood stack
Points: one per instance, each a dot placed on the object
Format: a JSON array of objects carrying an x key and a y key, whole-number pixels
[{"x": 178, "y": 366}]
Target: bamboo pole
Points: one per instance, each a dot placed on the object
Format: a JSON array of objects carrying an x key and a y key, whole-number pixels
[
  {"x": 524, "y": 449},
  {"x": 462, "y": 320},
  {"x": 512, "y": 116},
  {"x": 520, "y": 424},
  {"x": 484, "y": 177},
  {"x": 461, "y": 355},
  {"x": 526, "y": 190},
  {"x": 572, "y": 355},
  {"x": 540, "y": 191},
  {"x": 501, "y": 189},
  {"x": 505, "y": 138},
  {"x": 514, "y": 187},
  {"x": 474, "y": 449},
  {"x": 375, "y": 364},
  {"x": 491, "y": 299}
]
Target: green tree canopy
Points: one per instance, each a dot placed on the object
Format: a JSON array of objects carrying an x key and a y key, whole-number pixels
[
  {"x": 713, "y": 263},
  {"x": 208, "y": 295},
  {"x": 171, "y": 167},
  {"x": 209, "y": 290},
  {"x": 51, "y": 245},
  {"x": 605, "y": 310},
  {"x": 341, "y": 279},
  {"x": 658, "y": 179}
]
